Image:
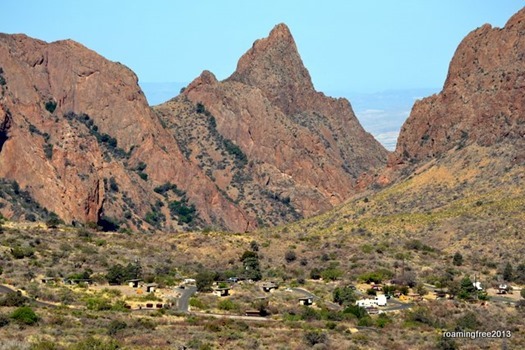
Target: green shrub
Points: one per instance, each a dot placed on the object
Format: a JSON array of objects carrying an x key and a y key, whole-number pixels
[
  {"x": 53, "y": 221},
  {"x": 344, "y": 295},
  {"x": 290, "y": 256},
  {"x": 457, "y": 260},
  {"x": 24, "y": 315},
  {"x": 315, "y": 273},
  {"x": 50, "y": 106},
  {"x": 184, "y": 212},
  {"x": 204, "y": 280},
  {"x": 95, "y": 344},
  {"x": 115, "y": 326},
  {"x": 227, "y": 305},
  {"x": 19, "y": 252},
  {"x": 97, "y": 303},
  {"x": 194, "y": 302},
  {"x": 382, "y": 320},
  {"x": 44, "y": 345},
  {"x": 312, "y": 338},
  {"x": 355, "y": 310},
  {"x": 331, "y": 274},
  {"x": 48, "y": 150},
  {"x": 4, "y": 320}
]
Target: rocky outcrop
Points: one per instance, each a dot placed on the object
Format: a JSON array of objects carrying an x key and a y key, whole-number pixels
[
  {"x": 77, "y": 133},
  {"x": 303, "y": 150},
  {"x": 261, "y": 147},
  {"x": 482, "y": 101}
]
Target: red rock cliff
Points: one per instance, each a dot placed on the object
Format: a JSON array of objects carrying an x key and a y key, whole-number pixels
[{"x": 482, "y": 101}]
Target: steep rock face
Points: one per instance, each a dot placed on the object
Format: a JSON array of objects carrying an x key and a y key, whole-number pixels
[
  {"x": 303, "y": 150},
  {"x": 77, "y": 133},
  {"x": 482, "y": 101}
]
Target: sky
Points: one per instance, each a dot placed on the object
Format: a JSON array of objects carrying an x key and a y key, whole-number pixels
[{"x": 362, "y": 46}]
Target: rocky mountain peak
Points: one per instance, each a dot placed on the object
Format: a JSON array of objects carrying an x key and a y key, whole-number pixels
[
  {"x": 273, "y": 64},
  {"x": 482, "y": 100}
]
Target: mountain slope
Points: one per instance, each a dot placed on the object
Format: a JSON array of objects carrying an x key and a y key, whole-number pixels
[
  {"x": 301, "y": 151},
  {"x": 482, "y": 101},
  {"x": 76, "y": 133},
  {"x": 456, "y": 178}
]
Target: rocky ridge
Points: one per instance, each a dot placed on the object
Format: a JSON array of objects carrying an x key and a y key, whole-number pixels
[
  {"x": 262, "y": 147},
  {"x": 77, "y": 133},
  {"x": 304, "y": 151},
  {"x": 482, "y": 100}
]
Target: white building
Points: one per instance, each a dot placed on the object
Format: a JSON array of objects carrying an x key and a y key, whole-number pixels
[
  {"x": 477, "y": 285},
  {"x": 379, "y": 300}
]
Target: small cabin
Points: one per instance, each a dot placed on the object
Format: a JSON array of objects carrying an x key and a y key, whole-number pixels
[
  {"x": 47, "y": 280},
  {"x": 306, "y": 301},
  {"x": 151, "y": 287},
  {"x": 190, "y": 281},
  {"x": 221, "y": 292},
  {"x": 134, "y": 283},
  {"x": 268, "y": 286}
]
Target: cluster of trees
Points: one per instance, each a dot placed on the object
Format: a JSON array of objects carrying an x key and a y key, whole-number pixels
[{"x": 118, "y": 274}]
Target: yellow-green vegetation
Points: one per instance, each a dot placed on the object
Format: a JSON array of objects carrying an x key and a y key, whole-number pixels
[{"x": 455, "y": 220}]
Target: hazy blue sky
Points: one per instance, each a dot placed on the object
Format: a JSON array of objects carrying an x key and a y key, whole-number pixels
[{"x": 361, "y": 46}]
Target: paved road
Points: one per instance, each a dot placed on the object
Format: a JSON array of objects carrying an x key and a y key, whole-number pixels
[
  {"x": 501, "y": 299},
  {"x": 5, "y": 289},
  {"x": 396, "y": 305},
  {"x": 184, "y": 300}
]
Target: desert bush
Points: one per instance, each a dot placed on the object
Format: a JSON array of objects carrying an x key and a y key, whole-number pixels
[
  {"x": 44, "y": 345},
  {"x": 290, "y": 256},
  {"x": 457, "y": 260},
  {"x": 97, "y": 303},
  {"x": 227, "y": 304},
  {"x": 24, "y": 315},
  {"x": 95, "y": 344},
  {"x": 312, "y": 338},
  {"x": 50, "y": 106},
  {"x": 115, "y": 326},
  {"x": 4, "y": 320},
  {"x": 13, "y": 299},
  {"x": 20, "y": 252}
]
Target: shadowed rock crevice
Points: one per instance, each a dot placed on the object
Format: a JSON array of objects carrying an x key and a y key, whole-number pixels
[{"x": 4, "y": 128}]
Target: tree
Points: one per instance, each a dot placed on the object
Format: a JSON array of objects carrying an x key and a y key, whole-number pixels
[
  {"x": 254, "y": 246},
  {"x": 519, "y": 274},
  {"x": 457, "y": 260},
  {"x": 315, "y": 273},
  {"x": 344, "y": 295},
  {"x": 466, "y": 289},
  {"x": 421, "y": 290},
  {"x": 252, "y": 269},
  {"x": 204, "y": 280},
  {"x": 508, "y": 272},
  {"x": 53, "y": 221}
]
